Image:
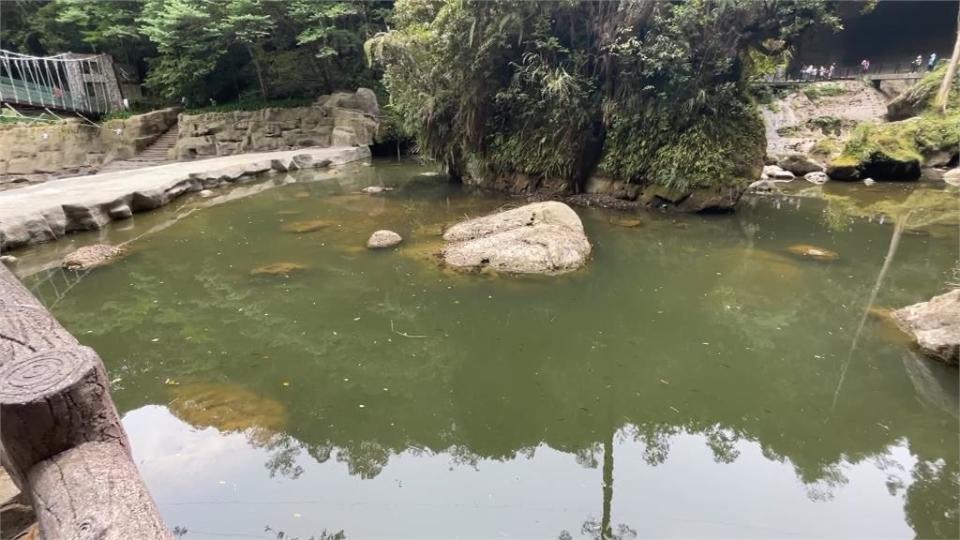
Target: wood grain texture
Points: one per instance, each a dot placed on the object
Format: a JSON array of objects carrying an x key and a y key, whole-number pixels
[
  {"x": 61, "y": 438},
  {"x": 91, "y": 492}
]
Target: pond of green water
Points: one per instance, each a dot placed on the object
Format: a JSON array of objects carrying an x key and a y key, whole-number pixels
[{"x": 686, "y": 383}]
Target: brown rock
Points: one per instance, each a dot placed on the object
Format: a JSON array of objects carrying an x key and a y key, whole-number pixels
[
  {"x": 306, "y": 226},
  {"x": 278, "y": 269},
  {"x": 93, "y": 256}
]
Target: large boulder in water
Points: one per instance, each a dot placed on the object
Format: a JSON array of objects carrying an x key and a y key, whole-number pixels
[
  {"x": 935, "y": 325},
  {"x": 539, "y": 238}
]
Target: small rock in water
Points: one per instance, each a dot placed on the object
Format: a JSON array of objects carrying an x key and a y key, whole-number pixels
[
  {"x": 813, "y": 252},
  {"x": 301, "y": 195},
  {"x": 383, "y": 239},
  {"x": 816, "y": 177},
  {"x": 869, "y": 181},
  {"x": 306, "y": 226},
  {"x": 8, "y": 259},
  {"x": 93, "y": 256},
  {"x": 206, "y": 193},
  {"x": 278, "y": 269},
  {"x": 370, "y": 190}
]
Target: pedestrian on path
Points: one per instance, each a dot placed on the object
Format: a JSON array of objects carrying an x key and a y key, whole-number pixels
[
  {"x": 865, "y": 65},
  {"x": 915, "y": 66},
  {"x": 932, "y": 62},
  {"x": 833, "y": 66}
]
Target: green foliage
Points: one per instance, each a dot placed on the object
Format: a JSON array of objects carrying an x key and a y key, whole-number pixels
[
  {"x": 654, "y": 92},
  {"x": 820, "y": 90},
  {"x": 203, "y": 49}
]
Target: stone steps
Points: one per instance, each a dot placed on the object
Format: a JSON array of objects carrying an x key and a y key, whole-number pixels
[{"x": 155, "y": 154}]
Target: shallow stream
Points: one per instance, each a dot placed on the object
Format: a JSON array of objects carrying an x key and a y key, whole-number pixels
[{"x": 687, "y": 383}]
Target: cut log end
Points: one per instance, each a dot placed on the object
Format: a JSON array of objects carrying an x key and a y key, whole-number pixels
[{"x": 33, "y": 378}]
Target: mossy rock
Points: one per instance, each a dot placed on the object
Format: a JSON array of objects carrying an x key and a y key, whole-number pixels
[
  {"x": 844, "y": 168},
  {"x": 897, "y": 150}
]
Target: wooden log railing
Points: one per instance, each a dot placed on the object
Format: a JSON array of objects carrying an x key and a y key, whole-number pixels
[{"x": 62, "y": 440}]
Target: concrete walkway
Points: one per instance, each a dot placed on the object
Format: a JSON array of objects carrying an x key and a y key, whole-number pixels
[{"x": 48, "y": 211}]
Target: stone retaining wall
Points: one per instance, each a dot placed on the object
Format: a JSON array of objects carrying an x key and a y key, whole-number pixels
[
  {"x": 340, "y": 119},
  {"x": 74, "y": 146}
]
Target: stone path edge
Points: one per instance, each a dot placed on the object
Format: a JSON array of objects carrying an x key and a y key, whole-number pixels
[{"x": 49, "y": 211}]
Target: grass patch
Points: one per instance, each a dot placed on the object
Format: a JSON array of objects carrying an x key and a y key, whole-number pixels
[
  {"x": 821, "y": 90},
  {"x": 826, "y": 147}
]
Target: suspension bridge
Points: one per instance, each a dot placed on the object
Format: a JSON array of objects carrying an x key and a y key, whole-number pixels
[{"x": 78, "y": 83}]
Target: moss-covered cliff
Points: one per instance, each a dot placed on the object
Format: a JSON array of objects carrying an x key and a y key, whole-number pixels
[{"x": 541, "y": 96}]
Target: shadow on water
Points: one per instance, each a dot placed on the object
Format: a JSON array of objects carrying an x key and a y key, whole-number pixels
[{"x": 685, "y": 338}]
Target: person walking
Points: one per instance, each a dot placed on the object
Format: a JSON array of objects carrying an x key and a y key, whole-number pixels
[
  {"x": 932, "y": 62},
  {"x": 833, "y": 67},
  {"x": 865, "y": 65},
  {"x": 915, "y": 66}
]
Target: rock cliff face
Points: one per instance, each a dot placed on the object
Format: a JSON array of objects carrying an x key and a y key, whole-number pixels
[
  {"x": 340, "y": 119},
  {"x": 74, "y": 146}
]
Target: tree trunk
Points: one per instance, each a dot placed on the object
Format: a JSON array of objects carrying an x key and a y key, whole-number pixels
[
  {"x": 948, "y": 79},
  {"x": 259, "y": 70}
]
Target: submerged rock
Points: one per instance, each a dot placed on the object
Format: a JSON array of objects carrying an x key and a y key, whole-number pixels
[
  {"x": 869, "y": 181},
  {"x": 372, "y": 190},
  {"x": 800, "y": 164},
  {"x": 383, "y": 239},
  {"x": 626, "y": 222},
  {"x": 306, "y": 226},
  {"x": 278, "y": 269},
  {"x": 206, "y": 193},
  {"x": 93, "y": 256},
  {"x": 934, "y": 325},
  {"x": 539, "y": 238},
  {"x": 813, "y": 252}
]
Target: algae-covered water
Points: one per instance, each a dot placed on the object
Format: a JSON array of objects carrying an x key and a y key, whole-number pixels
[{"x": 687, "y": 383}]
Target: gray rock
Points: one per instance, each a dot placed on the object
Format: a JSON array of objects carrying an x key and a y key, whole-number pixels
[
  {"x": 373, "y": 190},
  {"x": 934, "y": 325},
  {"x": 816, "y": 177},
  {"x": 8, "y": 259},
  {"x": 120, "y": 211},
  {"x": 800, "y": 164},
  {"x": 775, "y": 172},
  {"x": 539, "y": 238},
  {"x": 92, "y": 256},
  {"x": 383, "y": 239},
  {"x": 952, "y": 177},
  {"x": 869, "y": 181},
  {"x": 205, "y": 193}
]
